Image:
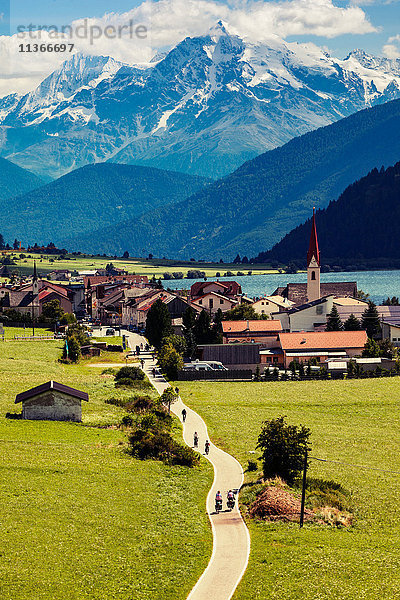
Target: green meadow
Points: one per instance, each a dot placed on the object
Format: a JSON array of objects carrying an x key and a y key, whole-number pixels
[
  {"x": 357, "y": 424},
  {"x": 150, "y": 267},
  {"x": 80, "y": 518}
]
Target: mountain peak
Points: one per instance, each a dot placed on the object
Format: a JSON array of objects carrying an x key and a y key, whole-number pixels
[{"x": 220, "y": 28}]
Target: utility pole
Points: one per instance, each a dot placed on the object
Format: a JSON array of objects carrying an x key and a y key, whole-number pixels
[{"x": 303, "y": 491}]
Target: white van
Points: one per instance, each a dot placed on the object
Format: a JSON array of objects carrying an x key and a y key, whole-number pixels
[{"x": 202, "y": 365}]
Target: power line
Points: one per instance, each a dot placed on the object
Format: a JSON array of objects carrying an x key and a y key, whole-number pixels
[{"x": 337, "y": 462}]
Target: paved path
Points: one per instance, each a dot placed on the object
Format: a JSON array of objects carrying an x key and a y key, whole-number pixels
[{"x": 231, "y": 540}]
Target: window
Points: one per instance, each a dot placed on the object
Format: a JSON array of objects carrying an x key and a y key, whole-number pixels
[
  {"x": 269, "y": 359},
  {"x": 319, "y": 309},
  {"x": 275, "y": 359},
  {"x": 262, "y": 311},
  {"x": 211, "y": 303},
  {"x": 200, "y": 301},
  {"x": 221, "y": 301},
  {"x": 313, "y": 275}
]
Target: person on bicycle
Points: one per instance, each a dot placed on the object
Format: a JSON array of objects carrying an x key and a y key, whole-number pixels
[
  {"x": 218, "y": 497},
  {"x": 231, "y": 495}
]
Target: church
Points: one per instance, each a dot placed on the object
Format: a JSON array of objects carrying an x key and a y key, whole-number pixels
[{"x": 303, "y": 293}]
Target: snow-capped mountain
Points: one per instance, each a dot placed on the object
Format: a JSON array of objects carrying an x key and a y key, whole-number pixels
[{"x": 204, "y": 107}]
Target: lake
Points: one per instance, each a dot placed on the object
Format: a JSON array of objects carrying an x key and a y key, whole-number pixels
[{"x": 378, "y": 284}]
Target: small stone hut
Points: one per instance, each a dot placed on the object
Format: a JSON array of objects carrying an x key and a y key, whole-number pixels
[{"x": 52, "y": 401}]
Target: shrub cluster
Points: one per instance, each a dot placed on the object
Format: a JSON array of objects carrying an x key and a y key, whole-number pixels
[
  {"x": 128, "y": 376},
  {"x": 151, "y": 439}
]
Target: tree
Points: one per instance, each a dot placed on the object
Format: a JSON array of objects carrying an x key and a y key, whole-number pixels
[
  {"x": 370, "y": 321},
  {"x": 72, "y": 349},
  {"x": 352, "y": 323},
  {"x": 394, "y": 301},
  {"x": 171, "y": 362},
  {"x": 283, "y": 449},
  {"x": 387, "y": 348},
  {"x": 2, "y": 244},
  {"x": 242, "y": 312},
  {"x": 176, "y": 341},
  {"x": 158, "y": 323},
  {"x": 189, "y": 321},
  {"x": 168, "y": 397},
  {"x": 362, "y": 295},
  {"x": 79, "y": 333},
  {"x": 52, "y": 311},
  {"x": 334, "y": 322},
  {"x": 125, "y": 254},
  {"x": 237, "y": 260},
  {"x": 291, "y": 269},
  {"x": 371, "y": 349},
  {"x": 217, "y": 326},
  {"x": 202, "y": 328}
]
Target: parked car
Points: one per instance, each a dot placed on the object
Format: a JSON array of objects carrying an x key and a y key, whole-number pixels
[
  {"x": 110, "y": 331},
  {"x": 202, "y": 365}
]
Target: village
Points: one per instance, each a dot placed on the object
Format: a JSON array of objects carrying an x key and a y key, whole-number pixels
[{"x": 313, "y": 324}]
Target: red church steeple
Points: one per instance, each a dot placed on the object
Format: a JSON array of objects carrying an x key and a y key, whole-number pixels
[{"x": 313, "y": 250}]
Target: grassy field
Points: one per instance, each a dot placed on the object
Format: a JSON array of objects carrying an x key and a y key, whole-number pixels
[
  {"x": 11, "y": 332},
  {"x": 151, "y": 267},
  {"x": 354, "y": 422},
  {"x": 79, "y": 518}
]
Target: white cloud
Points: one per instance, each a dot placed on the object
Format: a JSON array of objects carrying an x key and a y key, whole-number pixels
[
  {"x": 169, "y": 21},
  {"x": 392, "y": 47}
]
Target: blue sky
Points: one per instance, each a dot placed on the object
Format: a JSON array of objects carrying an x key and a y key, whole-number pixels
[{"x": 383, "y": 14}]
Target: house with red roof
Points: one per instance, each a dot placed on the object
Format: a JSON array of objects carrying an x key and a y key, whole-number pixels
[
  {"x": 228, "y": 289},
  {"x": 135, "y": 310},
  {"x": 30, "y": 298},
  {"x": 263, "y": 332},
  {"x": 320, "y": 345},
  {"x": 213, "y": 301}
]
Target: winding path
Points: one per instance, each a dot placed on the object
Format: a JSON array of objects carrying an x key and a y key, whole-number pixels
[{"x": 231, "y": 539}]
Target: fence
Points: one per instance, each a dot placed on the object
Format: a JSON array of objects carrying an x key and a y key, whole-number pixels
[
  {"x": 215, "y": 375},
  {"x": 34, "y": 337}
]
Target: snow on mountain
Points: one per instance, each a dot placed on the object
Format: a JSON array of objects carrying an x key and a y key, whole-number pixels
[
  {"x": 79, "y": 73},
  {"x": 204, "y": 107}
]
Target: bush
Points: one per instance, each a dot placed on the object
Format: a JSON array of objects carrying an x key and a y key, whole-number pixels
[
  {"x": 127, "y": 421},
  {"x": 183, "y": 455},
  {"x": 132, "y": 373},
  {"x": 114, "y": 348},
  {"x": 151, "y": 439}
]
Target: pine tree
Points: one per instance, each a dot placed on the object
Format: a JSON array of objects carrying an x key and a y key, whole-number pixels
[
  {"x": 370, "y": 321},
  {"x": 202, "y": 329},
  {"x": 158, "y": 323},
  {"x": 334, "y": 322},
  {"x": 352, "y": 323},
  {"x": 371, "y": 349},
  {"x": 189, "y": 321}
]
